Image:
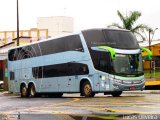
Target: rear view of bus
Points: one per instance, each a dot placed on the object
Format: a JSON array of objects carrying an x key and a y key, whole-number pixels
[{"x": 116, "y": 56}]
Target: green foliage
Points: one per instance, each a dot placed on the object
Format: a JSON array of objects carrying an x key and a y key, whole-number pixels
[{"x": 128, "y": 22}]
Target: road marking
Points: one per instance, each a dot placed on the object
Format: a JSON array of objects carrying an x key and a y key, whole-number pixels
[
  {"x": 76, "y": 105},
  {"x": 64, "y": 103},
  {"x": 39, "y": 107}
]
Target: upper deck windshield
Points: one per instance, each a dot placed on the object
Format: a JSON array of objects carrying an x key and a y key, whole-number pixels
[
  {"x": 120, "y": 39},
  {"x": 128, "y": 65}
]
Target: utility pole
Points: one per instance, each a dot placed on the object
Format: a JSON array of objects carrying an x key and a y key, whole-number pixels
[
  {"x": 150, "y": 40},
  {"x": 150, "y": 62},
  {"x": 17, "y": 24}
]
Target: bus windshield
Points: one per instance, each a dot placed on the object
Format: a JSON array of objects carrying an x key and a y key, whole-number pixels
[{"x": 128, "y": 65}]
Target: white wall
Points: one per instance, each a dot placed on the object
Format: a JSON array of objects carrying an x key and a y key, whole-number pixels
[{"x": 56, "y": 25}]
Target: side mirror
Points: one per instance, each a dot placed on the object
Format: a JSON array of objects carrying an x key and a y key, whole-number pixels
[
  {"x": 148, "y": 52},
  {"x": 109, "y": 49}
]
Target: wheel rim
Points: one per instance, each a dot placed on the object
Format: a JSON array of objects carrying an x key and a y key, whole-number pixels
[
  {"x": 87, "y": 89},
  {"x": 32, "y": 92},
  {"x": 24, "y": 91}
]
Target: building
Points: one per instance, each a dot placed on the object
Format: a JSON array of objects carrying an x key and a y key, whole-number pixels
[
  {"x": 155, "y": 48},
  {"x": 56, "y": 25},
  {"x": 8, "y": 41},
  {"x": 3, "y": 62},
  {"x": 35, "y": 34},
  {"x": 46, "y": 27}
]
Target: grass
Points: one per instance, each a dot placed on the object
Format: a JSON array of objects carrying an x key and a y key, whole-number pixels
[
  {"x": 155, "y": 73},
  {"x": 1, "y": 90}
]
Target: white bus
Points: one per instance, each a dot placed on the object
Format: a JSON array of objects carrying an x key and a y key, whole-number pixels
[{"x": 92, "y": 61}]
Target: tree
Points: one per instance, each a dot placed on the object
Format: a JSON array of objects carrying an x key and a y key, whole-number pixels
[{"x": 128, "y": 22}]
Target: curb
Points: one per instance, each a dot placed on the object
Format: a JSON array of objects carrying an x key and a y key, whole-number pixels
[{"x": 143, "y": 92}]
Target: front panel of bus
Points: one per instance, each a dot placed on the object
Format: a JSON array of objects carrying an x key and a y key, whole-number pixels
[{"x": 125, "y": 70}]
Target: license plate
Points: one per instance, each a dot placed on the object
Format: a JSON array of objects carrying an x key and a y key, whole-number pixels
[{"x": 132, "y": 88}]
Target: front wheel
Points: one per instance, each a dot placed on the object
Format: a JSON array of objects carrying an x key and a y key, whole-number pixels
[
  {"x": 116, "y": 93},
  {"x": 87, "y": 90}
]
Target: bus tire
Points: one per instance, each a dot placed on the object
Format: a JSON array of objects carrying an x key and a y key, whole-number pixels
[
  {"x": 24, "y": 91},
  {"x": 116, "y": 93},
  {"x": 87, "y": 90},
  {"x": 32, "y": 91}
]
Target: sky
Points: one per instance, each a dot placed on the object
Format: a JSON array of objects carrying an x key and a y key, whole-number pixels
[{"x": 86, "y": 13}]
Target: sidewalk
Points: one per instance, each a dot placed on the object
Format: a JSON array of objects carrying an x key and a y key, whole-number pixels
[{"x": 152, "y": 81}]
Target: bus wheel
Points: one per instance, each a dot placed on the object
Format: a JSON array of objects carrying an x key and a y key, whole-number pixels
[
  {"x": 24, "y": 91},
  {"x": 87, "y": 90},
  {"x": 32, "y": 90},
  {"x": 116, "y": 93}
]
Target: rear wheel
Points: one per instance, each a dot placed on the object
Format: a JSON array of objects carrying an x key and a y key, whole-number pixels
[
  {"x": 32, "y": 90},
  {"x": 116, "y": 93},
  {"x": 87, "y": 90},
  {"x": 24, "y": 91}
]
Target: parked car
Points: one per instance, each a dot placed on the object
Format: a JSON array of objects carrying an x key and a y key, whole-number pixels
[{"x": 1, "y": 84}]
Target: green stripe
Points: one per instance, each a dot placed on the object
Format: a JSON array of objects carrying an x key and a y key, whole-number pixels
[
  {"x": 149, "y": 53},
  {"x": 111, "y": 50},
  {"x": 128, "y": 76}
]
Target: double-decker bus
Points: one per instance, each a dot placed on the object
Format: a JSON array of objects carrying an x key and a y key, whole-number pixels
[{"x": 92, "y": 61}]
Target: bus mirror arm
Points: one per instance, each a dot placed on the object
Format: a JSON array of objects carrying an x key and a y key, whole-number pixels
[
  {"x": 110, "y": 50},
  {"x": 148, "y": 52}
]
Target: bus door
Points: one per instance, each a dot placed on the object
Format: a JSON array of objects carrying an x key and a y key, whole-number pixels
[
  {"x": 96, "y": 81},
  {"x": 72, "y": 83}
]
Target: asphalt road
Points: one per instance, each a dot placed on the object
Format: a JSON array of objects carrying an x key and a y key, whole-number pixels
[{"x": 72, "y": 106}]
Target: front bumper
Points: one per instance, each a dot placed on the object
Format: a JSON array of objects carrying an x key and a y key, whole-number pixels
[{"x": 122, "y": 87}]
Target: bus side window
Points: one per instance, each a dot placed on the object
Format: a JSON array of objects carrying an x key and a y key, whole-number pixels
[
  {"x": 12, "y": 76},
  {"x": 37, "y": 72}
]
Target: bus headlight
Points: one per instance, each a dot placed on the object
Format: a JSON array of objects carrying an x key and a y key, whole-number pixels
[
  {"x": 117, "y": 81},
  {"x": 115, "y": 87},
  {"x": 103, "y": 77},
  {"x": 111, "y": 78}
]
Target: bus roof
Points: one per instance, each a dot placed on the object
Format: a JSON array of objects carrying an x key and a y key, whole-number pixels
[{"x": 107, "y": 29}]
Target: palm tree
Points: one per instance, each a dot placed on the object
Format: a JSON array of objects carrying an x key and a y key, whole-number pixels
[{"x": 128, "y": 22}]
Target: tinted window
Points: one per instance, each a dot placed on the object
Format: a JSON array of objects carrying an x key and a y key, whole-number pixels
[
  {"x": 94, "y": 38},
  {"x": 113, "y": 38},
  {"x": 11, "y": 75},
  {"x": 120, "y": 39},
  {"x": 68, "y": 43},
  {"x": 102, "y": 61},
  {"x": 37, "y": 72},
  {"x": 65, "y": 69},
  {"x": 24, "y": 52}
]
